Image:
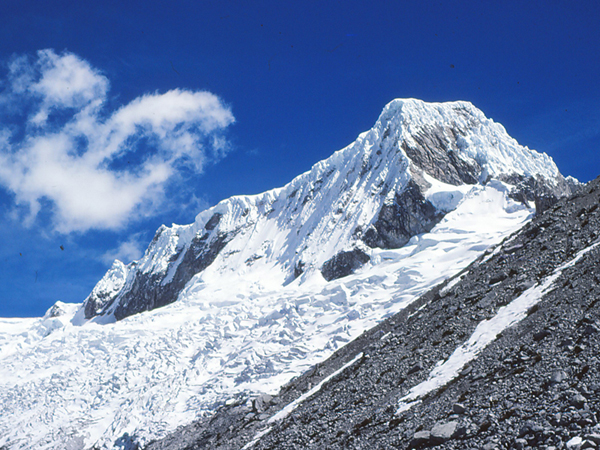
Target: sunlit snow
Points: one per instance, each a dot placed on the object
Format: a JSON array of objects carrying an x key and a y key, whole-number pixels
[{"x": 166, "y": 367}]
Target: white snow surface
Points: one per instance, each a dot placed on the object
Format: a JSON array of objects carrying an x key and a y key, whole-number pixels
[
  {"x": 151, "y": 372},
  {"x": 245, "y": 325},
  {"x": 289, "y": 408},
  {"x": 485, "y": 333}
]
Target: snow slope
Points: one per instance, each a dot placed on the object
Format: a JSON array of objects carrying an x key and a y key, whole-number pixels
[{"x": 260, "y": 312}]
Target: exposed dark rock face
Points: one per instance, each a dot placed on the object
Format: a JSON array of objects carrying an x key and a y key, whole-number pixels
[
  {"x": 94, "y": 304},
  {"x": 105, "y": 292},
  {"x": 147, "y": 290},
  {"x": 298, "y": 269},
  {"x": 213, "y": 222},
  {"x": 537, "y": 190},
  {"x": 54, "y": 311},
  {"x": 435, "y": 154},
  {"x": 410, "y": 214},
  {"x": 537, "y": 385},
  {"x": 343, "y": 264}
]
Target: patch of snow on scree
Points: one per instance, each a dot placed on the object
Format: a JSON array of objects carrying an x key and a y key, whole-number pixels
[
  {"x": 484, "y": 334},
  {"x": 287, "y": 410}
]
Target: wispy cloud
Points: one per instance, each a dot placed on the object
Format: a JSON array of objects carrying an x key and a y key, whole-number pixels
[
  {"x": 91, "y": 167},
  {"x": 130, "y": 250}
]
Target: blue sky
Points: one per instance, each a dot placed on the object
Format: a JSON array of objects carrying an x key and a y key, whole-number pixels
[{"x": 117, "y": 117}]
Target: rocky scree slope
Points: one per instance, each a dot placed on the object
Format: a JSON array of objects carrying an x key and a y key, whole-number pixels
[
  {"x": 395, "y": 181},
  {"x": 536, "y": 384}
]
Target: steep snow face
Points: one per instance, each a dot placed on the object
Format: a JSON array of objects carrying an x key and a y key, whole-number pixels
[
  {"x": 464, "y": 129},
  {"x": 395, "y": 181},
  {"x": 253, "y": 308}
]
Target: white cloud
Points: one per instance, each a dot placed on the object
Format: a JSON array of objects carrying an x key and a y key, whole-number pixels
[
  {"x": 65, "y": 81},
  {"x": 73, "y": 155},
  {"x": 130, "y": 250}
]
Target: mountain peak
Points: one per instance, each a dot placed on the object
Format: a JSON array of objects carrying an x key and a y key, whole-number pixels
[
  {"x": 460, "y": 128},
  {"x": 392, "y": 183}
]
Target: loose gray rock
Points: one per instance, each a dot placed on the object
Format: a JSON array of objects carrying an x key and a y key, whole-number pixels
[
  {"x": 420, "y": 439},
  {"x": 490, "y": 446},
  {"x": 520, "y": 444},
  {"x": 416, "y": 368},
  {"x": 578, "y": 401},
  {"x": 558, "y": 376},
  {"x": 261, "y": 403},
  {"x": 442, "y": 432},
  {"x": 588, "y": 444},
  {"x": 458, "y": 408},
  {"x": 497, "y": 277},
  {"x": 594, "y": 437}
]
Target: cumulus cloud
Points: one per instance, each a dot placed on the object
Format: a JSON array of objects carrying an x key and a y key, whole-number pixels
[{"x": 96, "y": 168}]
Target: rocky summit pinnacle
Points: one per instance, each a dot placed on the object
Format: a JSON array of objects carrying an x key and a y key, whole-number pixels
[
  {"x": 228, "y": 327},
  {"x": 378, "y": 192}
]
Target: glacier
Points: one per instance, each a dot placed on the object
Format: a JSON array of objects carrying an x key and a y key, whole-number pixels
[{"x": 238, "y": 303}]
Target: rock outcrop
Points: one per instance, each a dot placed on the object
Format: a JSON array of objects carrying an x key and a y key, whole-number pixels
[
  {"x": 409, "y": 214},
  {"x": 343, "y": 264}
]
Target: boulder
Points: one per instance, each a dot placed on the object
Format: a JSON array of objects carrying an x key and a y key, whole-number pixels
[
  {"x": 420, "y": 439},
  {"x": 578, "y": 401},
  {"x": 261, "y": 403},
  {"x": 442, "y": 432},
  {"x": 458, "y": 408},
  {"x": 558, "y": 376}
]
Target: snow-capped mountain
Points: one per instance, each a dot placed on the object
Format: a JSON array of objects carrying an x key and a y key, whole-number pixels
[
  {"x": 394, "y": 182},
  {"x": 260, "y": 288}
]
